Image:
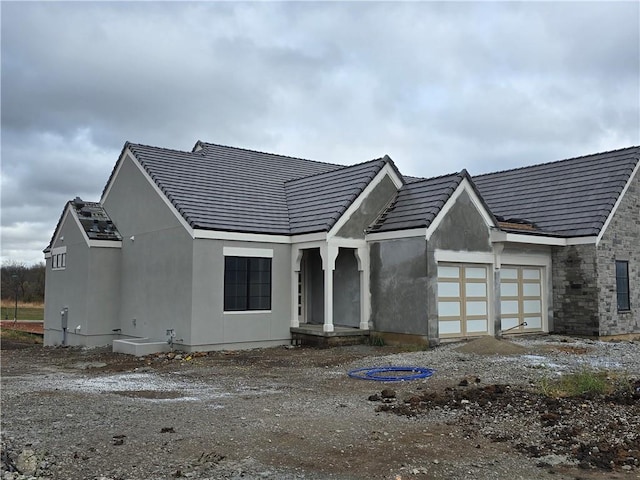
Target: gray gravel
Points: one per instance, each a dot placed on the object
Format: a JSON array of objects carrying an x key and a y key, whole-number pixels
[{"x": 284, "y": 414}]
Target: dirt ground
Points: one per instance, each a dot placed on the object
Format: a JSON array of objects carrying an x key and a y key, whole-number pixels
[{"x": 294, "y": 413}]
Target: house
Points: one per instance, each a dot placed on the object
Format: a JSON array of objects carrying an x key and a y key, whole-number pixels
[{"x": 226, "y": 248}]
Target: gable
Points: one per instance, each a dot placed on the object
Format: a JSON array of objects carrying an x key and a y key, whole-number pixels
[
  {"x": 317, "y": 202},
  {"x": 371, "y": 206},
  {"x": 84, "y": 222},
  {"x": 463, "y": 223},
  {"x": 224, "y": 188}
]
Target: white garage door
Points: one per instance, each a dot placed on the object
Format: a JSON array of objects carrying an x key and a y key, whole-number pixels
[
  {"x": 521, "y": 299},
  {"x": 462, "y": 300}
]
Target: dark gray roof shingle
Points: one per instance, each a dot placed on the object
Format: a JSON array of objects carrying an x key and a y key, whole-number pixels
[
  {"x": 418, "y": 203},
  {"x": 568, "y": 198},
  {"x": 231, "y": 189},
  {"x": 317, "y": 202},
  {"x": 95, "y": 221}
]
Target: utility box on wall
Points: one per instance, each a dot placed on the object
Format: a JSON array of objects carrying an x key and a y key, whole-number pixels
[{"x": 64, "y": 317}]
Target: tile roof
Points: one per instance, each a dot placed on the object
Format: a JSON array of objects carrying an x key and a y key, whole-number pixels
[
  {"x": 568, "y": 198},
  {"x": 224, "y": 188},
  {"x": 418, "y": 203},
  {"x": 317, "y": 202},
  {"x": 95, "y": 221}
]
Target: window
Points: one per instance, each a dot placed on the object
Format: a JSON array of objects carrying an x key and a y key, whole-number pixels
[
  {"x": 247, "y": 283},
  {"x": 59, "y": 261},
  {"x": 622, "y": 285}
]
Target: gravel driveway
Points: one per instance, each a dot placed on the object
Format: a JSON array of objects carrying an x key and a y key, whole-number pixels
[{"x": 293, "y": 413}]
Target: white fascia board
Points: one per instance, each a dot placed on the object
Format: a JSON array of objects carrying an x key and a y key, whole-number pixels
[
  {"x": 239, "y": 236},
  {"x": 348, "y": 242},
  {"x": 105, "y": 243},
  {"x": 308, "y": 245},
  {"x": 247, "y": 252},
  {"x": 526, "y": 259},
  {"x": 57, "y": 250},
  {"x": 309, "y": 237},
  {"x": 127, "y": 153},
  {"x": 464, "y": 186},
  {"x": 396, "y": 234},
  {"x": 385, "y": 171},
  {"x": 453, "y": 256},
  {"x": 501, "y": 236},
  {"x": 260, "y": 237},
  {"x": 617, "y": 204}
]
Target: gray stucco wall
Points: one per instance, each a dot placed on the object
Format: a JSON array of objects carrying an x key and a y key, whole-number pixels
[
  {"x": 462, "y": 229},
  {"x": 157, "y": 265},
  {"x": 346, "y": 289},
  {"x": 212, "y": 327},
  {"x": 68, "y": 287},
  {"x": 398, "y": 285},
  {"x": 575, "y": 290},
  {"x": 369, "y": 210},
  {"x": 621, "y": 241},
  {"x": 103, "y": 294}
]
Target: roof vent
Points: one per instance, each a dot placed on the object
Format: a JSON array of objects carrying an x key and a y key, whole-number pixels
[{"x": 78, "y": 202}]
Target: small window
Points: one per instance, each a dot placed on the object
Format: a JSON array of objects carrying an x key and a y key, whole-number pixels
[
  {"x": 59, "y": 261},
  {"x": 247, "y": 283},
  {"x": 622, "y": 285}
]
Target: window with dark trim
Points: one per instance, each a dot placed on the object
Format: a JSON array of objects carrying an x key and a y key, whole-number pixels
[
  {"x": 622, "y": 285},
  {"x": 247, "y": 283},
  {"x": 59, "y": 261}
]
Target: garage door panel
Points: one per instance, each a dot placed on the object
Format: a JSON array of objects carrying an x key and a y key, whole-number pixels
[
  {"x": 462, "y": 300},
  {"x": 448, "y": 327},
  {"x": 521, "y": 298},
  {"x": 531, "y": 306},
  {"x": 533, "y": 323},
  {"x": 476, "y": 326}
]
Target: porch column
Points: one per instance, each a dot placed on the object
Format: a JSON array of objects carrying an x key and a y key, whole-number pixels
[
  {"x": 296, "y": 257},
  {"x": 362, "y": 255},
  {"x": 329, "y": 253}
]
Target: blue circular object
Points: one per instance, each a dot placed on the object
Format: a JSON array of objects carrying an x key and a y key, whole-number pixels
[{"x": 375, "y": 373}]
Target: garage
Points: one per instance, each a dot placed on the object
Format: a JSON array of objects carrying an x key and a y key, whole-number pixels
[
  {"x": 462, "y": 300},
  {"x": 521, "y": 299}
]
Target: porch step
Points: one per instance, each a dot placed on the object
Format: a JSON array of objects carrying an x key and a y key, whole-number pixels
[
  {"x": 140, "y": 346},
  {"x": 313, "y": 335}
]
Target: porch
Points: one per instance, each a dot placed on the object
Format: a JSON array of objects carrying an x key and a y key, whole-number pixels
[{"x": 314, "y": 335}]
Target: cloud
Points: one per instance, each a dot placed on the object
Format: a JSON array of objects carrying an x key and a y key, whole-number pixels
[{"x": 439, "y": 86}]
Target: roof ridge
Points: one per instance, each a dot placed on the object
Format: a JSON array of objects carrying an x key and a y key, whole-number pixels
[
  {"x": 340, "y": 167},
  {"x": 558, "y": 161},
  {"x": 422, "y": 179},
  {"x": 129, "y": 144},
  {"x": 204, "y": 144}
]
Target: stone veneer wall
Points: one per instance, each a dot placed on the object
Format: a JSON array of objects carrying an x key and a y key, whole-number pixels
[
  {"x": 621, "y": 241},
  {"x": 575, "y": 290}
]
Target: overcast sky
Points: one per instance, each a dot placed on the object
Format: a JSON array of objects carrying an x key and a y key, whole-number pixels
[{"x": 436, "y": 86}]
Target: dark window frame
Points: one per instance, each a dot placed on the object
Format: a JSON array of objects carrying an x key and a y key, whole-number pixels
[
  {"x": 247, "y": 283},
  {"x": 623, "y": 294}
]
